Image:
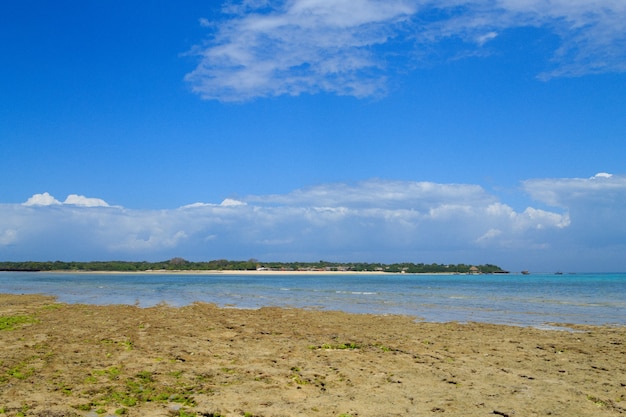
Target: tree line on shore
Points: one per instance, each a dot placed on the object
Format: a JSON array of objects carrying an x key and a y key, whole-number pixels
[{"x": 180, "y": 264}]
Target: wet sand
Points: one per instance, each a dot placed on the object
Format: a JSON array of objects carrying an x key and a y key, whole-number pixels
[{"x": 86, "y": 360}]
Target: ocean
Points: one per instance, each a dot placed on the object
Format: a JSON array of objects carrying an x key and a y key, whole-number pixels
[{"x": 539, "y": 300}]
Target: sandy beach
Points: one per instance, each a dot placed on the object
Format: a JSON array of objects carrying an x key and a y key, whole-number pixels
[{"x": 86, "y": 360}]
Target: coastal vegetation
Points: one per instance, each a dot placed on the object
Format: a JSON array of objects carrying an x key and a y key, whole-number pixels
[{"x": 180, "y": 264}]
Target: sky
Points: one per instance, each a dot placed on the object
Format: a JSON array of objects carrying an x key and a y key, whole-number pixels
[{"x": 452, "y": 131}]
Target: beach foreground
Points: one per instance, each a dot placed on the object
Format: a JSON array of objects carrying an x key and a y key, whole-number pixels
[{"x": 86, "y": 360}]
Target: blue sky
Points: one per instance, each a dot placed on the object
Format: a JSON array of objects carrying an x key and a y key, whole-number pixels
[{"x": 402, "y": 130}]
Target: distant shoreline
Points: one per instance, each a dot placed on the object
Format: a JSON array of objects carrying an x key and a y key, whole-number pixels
[
  {"x": 252, "y": 266},
  {"x": 262, "y": 272},
  {"x": 249, "y": 272},
  {"x": 234, "y": 272}
]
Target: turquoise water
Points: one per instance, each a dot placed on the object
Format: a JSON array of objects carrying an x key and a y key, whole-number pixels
[{"x": 527, "y": 300}]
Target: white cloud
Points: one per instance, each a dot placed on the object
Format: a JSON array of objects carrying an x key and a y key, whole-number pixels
[
  {"x": 229, "y": 202},
  {"x": 80, "y": 200},
  {"x": 381, "y": 193},
  {"x": 592, "y": 34},
  {"x": 376, "y": 220},
  {"x": 300, "y": 46},
  {"x": 44, "y": 199},
  {"x": 482, "y": 39},
  {"x": 7, "y": 237},
  {"x": 291, "y": 47},
  {"x": 602, "y": 175},
  {"x": 491, "y": 234},
  {"x": 601, "y": 189},
  {"x": 596, "y": 207}
]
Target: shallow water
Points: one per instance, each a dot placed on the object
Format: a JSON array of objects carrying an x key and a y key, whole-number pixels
[{"x": 527, "y": 300}]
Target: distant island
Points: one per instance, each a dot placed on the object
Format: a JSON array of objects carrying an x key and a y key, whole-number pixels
[{"x": 180, "y": 264}]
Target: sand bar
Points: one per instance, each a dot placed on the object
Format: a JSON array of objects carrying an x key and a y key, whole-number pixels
[{"x": 88, "y": 360}]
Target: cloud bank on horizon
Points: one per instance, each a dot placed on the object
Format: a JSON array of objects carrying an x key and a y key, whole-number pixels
[
  {"x": 372, "y": 221},
  {"x": 269, "y": 48}
]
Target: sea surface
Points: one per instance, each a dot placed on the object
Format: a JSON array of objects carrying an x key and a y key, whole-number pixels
[{"x": 539, "y": 300}]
